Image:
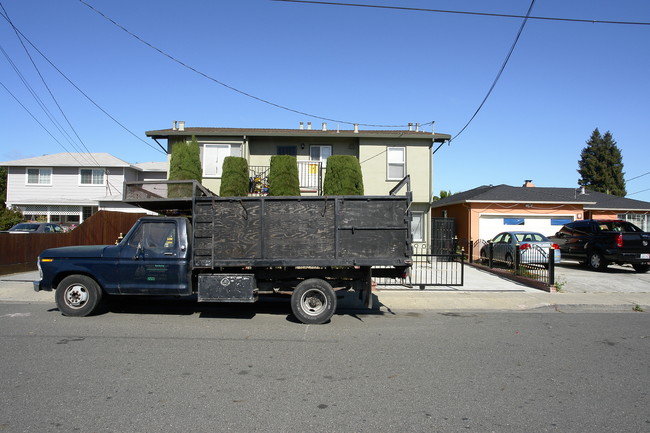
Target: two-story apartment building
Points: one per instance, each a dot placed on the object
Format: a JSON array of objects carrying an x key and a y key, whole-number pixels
[
  {"x": 386, "y": 157},
  {"x": 69, "y": 187}
]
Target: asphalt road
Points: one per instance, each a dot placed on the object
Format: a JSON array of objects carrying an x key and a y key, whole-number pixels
[{"x": 163, "y": 368}]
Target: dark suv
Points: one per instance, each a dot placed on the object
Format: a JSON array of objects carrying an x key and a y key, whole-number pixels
[{"x": 601, "y": 242}]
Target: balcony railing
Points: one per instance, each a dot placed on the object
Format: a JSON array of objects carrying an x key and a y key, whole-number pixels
[{"x": 310, "y": 175}]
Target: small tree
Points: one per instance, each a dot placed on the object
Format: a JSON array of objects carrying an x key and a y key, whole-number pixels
[
  {"x": 601, "y": 165},
  {"x": 9, "y": 218},
  {"x": 234, "y": 178},
  {"x": 443, "y": 194},
  {"x": 185, "y": 164},
  {"x": 343, "y": 176},
  {"x": 283, "y": 176}
]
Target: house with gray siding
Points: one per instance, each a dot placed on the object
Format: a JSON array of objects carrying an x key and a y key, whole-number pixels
[{"x": 69, "y": 187}]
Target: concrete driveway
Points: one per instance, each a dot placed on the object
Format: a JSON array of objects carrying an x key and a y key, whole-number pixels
[{"x": 571, "y": 277}]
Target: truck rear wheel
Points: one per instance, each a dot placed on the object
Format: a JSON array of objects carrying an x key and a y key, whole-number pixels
[
  {"x": 77, "y": 295},
  {"x": 313, "y": 302}
]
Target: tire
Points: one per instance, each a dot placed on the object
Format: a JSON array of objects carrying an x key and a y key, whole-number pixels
[
  {"x": 77, "y": 295},
  {"x": 641, "y": 268},
  {"x": 509, "y": 262},
  {"x": 484, "y": 257},
  {"x": 596, "y": 261},
  {"x": 313, "y": 302}
]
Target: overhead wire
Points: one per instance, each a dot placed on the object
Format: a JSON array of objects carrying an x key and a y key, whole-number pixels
[
  {"x": 232, "y": 88},
  {"x": 49, "y": 90},
  {"x": 578, "y": 20},
  {"x": 161, "y": 150}
]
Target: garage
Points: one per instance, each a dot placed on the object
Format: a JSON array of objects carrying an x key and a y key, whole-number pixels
[{"x": 491, "y": 225}]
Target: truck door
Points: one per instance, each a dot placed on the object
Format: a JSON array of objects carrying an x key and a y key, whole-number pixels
[{"x": 152, "y": 261}]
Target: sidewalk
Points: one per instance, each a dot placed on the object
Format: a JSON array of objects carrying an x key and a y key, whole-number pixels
[{"x": 482, "y": 292}]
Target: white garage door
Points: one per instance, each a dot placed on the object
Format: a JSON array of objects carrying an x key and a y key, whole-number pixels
[{"x": 491, "y": 225}]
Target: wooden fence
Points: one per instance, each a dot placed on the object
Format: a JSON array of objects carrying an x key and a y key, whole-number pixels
[{"x": 18, "y": 252}]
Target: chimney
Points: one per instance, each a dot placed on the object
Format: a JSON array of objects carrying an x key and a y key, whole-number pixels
[
  {"x": 410, "y": 127},
  {"x": 302, "y": 125},
  {"x": 417, "y": 127},
  {"x": 174, "y": 126},
  {"x": 308, "y": 125},
  {"x": 324, "y": 128},
  {"x": 356, "y": 128},
  {"x": 528, "y": 183},
  {"x": 181, "y": 125}
]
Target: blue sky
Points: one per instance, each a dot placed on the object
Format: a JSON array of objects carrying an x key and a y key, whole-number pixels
[{"x": 369, "y": 66}]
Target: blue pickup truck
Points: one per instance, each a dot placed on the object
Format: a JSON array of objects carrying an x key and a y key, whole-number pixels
[{"x": 233, "y": 249}]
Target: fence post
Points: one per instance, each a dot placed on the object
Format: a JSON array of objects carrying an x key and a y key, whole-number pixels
[
  {"x": 551, "y": 266},
  {"x": 491, "y": 257},
  {"x": 471, "y": 252},
  {"x": 517, "y": 258}
]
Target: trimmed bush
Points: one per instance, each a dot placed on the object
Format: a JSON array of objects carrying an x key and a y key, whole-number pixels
[
  {"x": 343, "y": 176},
  {"x": 184, "y": 164},
  {"x": 234, "y": 177},
  {"x": 283, "y": 176}
]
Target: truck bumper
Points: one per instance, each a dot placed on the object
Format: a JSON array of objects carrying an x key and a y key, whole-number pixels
[{"x": 38, "y": 287}]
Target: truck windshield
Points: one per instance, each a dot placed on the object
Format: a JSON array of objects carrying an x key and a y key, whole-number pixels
[{"x": 617, "y": 226}]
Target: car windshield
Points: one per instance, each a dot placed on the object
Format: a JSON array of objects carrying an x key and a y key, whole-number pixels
[
  {"x": 24, "y": 227},
  {"x": 531, "y": 237}
]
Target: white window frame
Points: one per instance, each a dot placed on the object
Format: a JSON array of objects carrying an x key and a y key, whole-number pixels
[
  {"x": 320, "y": 157},
  {"x": 92, "y": 176},
  {"x": 40, "y": 175},
  {"x": 232, "y": 149},
  {"x": 392, "y": 162},
  {"x": 417, "y": 229}
]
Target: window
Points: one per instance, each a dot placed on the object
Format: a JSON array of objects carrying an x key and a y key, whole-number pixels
[
  {"x": 288, "y": 150},
  {"x": 320, "y": 153},
  {"x": 640, "y": 220},
  {"x": 213, "y": 156},
  {"x": 513, "y": 221},
  {"x": 560, "y": 221},
  {"x": 39, "y": 176},
  {"x": 417, "y": 229},
  {"x": 92, "y": 176},
  {"x": 396, "y": 157}
]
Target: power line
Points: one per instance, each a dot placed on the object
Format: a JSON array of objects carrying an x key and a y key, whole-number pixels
[
  {"x": 467, "y": 12},
  {"x": 234, "y": 89},
  {"x": 503, "y": 67},
  {"x": 48, "y": 87},
  {"x": 161, "y": 150},
  {"x": 641, "y": 175}
]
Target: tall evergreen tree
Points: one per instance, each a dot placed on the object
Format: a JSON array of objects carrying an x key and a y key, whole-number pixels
[
  {"x": 343, "y": 176},
  {"x": 601, "y": 165},
  {"x": 184, "y": 164}
]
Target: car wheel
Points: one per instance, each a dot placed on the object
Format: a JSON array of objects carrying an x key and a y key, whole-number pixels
[
  {"x": 596, "y": 261},
  {"x": 641, "y": 268},
  {"x": 509, "y": 261},
  {"x": 77, "y": 295}
]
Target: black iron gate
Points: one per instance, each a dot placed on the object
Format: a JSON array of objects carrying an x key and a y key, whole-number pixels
[
  {"x": 443, "y": 235},
  {"x": 429, "y": 270}
]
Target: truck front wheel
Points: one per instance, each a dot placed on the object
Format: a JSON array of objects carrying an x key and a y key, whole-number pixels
[
  {"x": 77, "y": 295},
  {"x": 596, "y": 261},
  {"x": 313, "y": 302}
]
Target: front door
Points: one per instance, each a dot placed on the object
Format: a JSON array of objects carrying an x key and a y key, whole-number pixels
[{"x": 151, "y": 261}]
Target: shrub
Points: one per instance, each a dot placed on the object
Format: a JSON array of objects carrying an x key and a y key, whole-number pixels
[
  {"x": 283, "y": 176},
  {"x": 9, "y": 218},
  {"x": 234, "y": 177},
  {"x": 184, "y": 164},
  {"x": 343, "y": 176}
]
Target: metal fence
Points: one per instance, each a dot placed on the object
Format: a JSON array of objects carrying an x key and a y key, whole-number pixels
[
  {"x": 534, "y": 262},
  {"x": 429, "y": 270}
]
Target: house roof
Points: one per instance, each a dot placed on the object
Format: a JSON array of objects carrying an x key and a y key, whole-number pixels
[
  {"x": 591, "y": 200},
  {"x": 263, "y": 132},
  {"x": 68, "y": 159}
]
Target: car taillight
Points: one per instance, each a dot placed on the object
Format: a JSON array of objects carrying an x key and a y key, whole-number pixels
[
  {"x": 619, "y": 240},
  {"x": 555, "y": 246},
  {"x": 524, "y": 246}
]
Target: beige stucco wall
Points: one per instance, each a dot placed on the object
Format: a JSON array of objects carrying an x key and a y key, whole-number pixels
[{"x": 373, "y": 158}]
